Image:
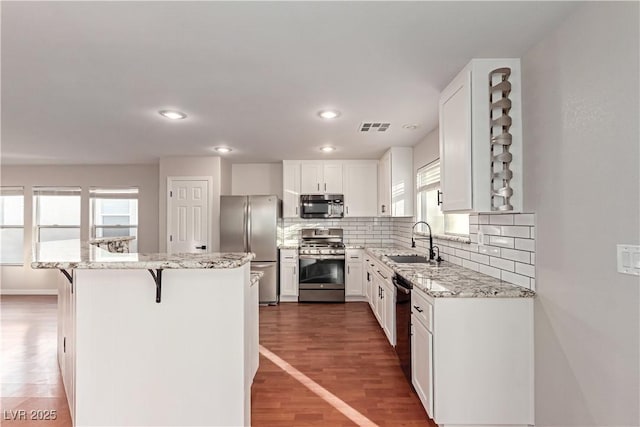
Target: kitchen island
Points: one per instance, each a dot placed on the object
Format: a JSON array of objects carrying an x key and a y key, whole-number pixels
[{"x": 155, "y": 339}]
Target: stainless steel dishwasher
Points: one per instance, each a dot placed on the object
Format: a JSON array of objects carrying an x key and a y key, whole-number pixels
[{"x": 403, "y": 324}]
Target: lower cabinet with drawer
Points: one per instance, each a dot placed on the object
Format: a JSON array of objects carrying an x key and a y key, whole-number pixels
[
  {"x": 472, "y": 359},
  {"x": 288, "y": 275}
]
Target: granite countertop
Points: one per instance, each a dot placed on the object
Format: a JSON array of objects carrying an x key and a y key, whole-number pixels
[
  {"x": 256, "y": 276},
  {"x": 292, "y": 246},
  {"x": 70, "y": 254},
  {"x": 449, "y": 280},
  {"x": 99, "y": 240}
]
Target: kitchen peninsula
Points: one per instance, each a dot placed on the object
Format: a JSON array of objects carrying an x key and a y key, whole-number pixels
[{"x": 154, "y": 339}]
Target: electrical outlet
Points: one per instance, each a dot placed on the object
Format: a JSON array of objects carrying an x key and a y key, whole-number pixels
[{"x": 629, "y": 259}]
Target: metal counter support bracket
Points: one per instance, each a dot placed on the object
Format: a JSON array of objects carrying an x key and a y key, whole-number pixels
[
  {"x": 67, "y": 275},
  {"x": 157, "y": 277}
]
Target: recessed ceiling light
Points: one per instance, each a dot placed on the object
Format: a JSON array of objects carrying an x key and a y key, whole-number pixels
[
  {"x": 223, "y": 149},
  {"x": 329, "y": 114},
  {"x": 172, "y": 114},
  {"x": 327, "y": 149},
  {"x": 411, "y": 126}
]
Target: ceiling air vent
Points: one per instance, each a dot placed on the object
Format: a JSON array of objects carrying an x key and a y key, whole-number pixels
[{"x": 374, "y": 127}]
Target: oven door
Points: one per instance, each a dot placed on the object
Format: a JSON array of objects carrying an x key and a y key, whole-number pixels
[{"x": 321, "y": 278}]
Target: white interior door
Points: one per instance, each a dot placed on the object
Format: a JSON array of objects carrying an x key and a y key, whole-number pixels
[{"x": 189, "y": 216}]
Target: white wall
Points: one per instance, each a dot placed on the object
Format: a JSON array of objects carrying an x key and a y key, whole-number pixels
[
  {"x": 225, "y": 177},
  {"x": 194, "y": 167},
  {"x": 426, "y": 151},
  {"x": 256, "y": 178},
  {"x": 145, "y": 177},
  {"x": 580, "y": 105}
]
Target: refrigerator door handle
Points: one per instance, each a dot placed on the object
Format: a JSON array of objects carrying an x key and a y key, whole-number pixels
[
  {"x": 249, "y": 226},
  {"x": 245, "y": 236}
]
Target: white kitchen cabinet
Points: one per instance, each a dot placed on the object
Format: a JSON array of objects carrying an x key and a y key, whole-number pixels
[
  {"x": 452, "y": 338},
  {"x": 360, "y": 188},
  {"x": 66, "y": 338},
  {"x": 291, "y": 189},
  {"x": 422, "y": 364},
  {"x": 389, "y": 307},
  {"x": 466, "y": 170},
  {"x": 288, "y": 275},
  {"x": 321, "y": 177},
  {"x": 384, "y": 301},
  {"x": 395, "y": 183},
  {"x": 370, "y": 283},
  {"x": 354, "y": 287}
]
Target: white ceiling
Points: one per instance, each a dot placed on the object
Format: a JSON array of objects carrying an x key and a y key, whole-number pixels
[{"x": 82, "y": 81}]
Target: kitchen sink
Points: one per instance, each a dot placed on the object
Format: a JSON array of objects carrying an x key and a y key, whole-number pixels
[{"x": 408, "y": 259}]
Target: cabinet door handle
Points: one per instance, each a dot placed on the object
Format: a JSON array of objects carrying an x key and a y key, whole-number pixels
[
  {"x": 318, "y": 186},
  {"x": 347, "y": 210},
  {"x": 384, "y": 208},
  {"x": 418, "y": 309},
  {"x": 294, "y": 270},
  {"x": 325, "y": 186},
  {"x": 201, "y": 247},
  {"x": 296, "y": 210},
  {"x": 348, "y": 269},
  {"x": 439, "y": 197}
]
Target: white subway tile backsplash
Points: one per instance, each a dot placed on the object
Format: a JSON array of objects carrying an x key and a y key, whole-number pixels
[
  {"x": 470, "y": 265},
  {"x": 524, "y": 219},
  {"x": 526, "y": 269},
  {"x": 473, "y": 219},
  {"x": 533, "y": 259},
  {"x": 515, "y": 231},
  {"x": 462, "y": 254},
  {"x": 490, "y": 229},
  {"x": 473, "y": 247},
  {"x": 505, "y": 242},
  {"x": 533, "y": 284},
  {"x": 525, "y": 244},
  {"x": 489, "y": 250},
  {"x": 483, "y": 259},
  {"x": 455, "y": 260},
  {"x": 516, "y": 279},
  {"x": 483, "y": 219},
  {"x": 473, "y": 228},
  {"x": 506, "y": 219},
  {"x": 502, "y": 264},
  {"x": 516, "y": 255},
  {"x": 489, "y": 271}
]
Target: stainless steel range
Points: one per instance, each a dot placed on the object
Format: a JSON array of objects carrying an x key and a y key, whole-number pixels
[{"x": 322, "y": 256}]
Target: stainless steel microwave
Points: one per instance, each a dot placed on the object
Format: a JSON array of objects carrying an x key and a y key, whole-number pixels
[{"x": 321, "y": 206}]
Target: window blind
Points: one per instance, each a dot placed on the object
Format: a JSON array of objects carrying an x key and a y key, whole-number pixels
[
  {"x": 114, "y": 193},
  {"x": 428, "y": 176}
]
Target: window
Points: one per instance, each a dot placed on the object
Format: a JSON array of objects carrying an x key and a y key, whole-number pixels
[
  {"x": 114, "y": 213},
  {"x": 428, "y": 187},
  {"x": 11, "y": 225},
  {"x": 57, "y": 214}
]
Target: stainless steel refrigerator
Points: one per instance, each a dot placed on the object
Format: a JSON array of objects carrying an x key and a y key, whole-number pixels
[{"x": 250, "y": 224}]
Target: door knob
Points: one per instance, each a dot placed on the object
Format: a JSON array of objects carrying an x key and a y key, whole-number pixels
[{"x": 201, "y": 247}]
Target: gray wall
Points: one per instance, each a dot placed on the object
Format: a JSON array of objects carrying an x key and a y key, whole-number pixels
[
  {"x": 145, "y": 177},
  {"x": 256, "y": 178},
  {"x": 580, "y": 105}
]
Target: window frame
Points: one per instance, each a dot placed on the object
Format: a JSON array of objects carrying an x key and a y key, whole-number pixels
[
  {"x": 18, "y": 191},
  {"x": 432, "y": 184},
  {"x": 113, "y": 193},
  {"x": 55, "y": 191}
]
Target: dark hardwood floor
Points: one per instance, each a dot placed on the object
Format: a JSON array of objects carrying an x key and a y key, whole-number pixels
[{"x": 320, "y": 365}]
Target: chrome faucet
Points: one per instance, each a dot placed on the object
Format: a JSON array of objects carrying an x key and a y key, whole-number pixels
[{"x": 432, "y": 254}]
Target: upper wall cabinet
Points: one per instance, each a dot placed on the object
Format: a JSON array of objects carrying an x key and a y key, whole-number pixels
[
  {"x": 291, "y": 189},
  {"x": 360, "y": 188},
  {"x": 481, "y": 138},
  {"x": 321, "y": 177},
  {"x": 395, "y": 182}
]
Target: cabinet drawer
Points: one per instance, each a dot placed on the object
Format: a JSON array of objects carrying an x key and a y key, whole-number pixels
[
  {"x": 422, "y": 309},
  {"x": 288, "y": 255}
]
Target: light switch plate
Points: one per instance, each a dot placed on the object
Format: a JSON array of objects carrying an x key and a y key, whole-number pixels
[{"x": 629, "y": 259}]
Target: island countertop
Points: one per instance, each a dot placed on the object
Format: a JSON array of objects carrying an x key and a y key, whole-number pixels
[
  {"x": 71, "y": 254},
  {"x": 447, "y": 279}
]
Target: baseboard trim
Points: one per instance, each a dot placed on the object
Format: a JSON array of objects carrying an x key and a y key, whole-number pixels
[{"x": 28, "y": 292}]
